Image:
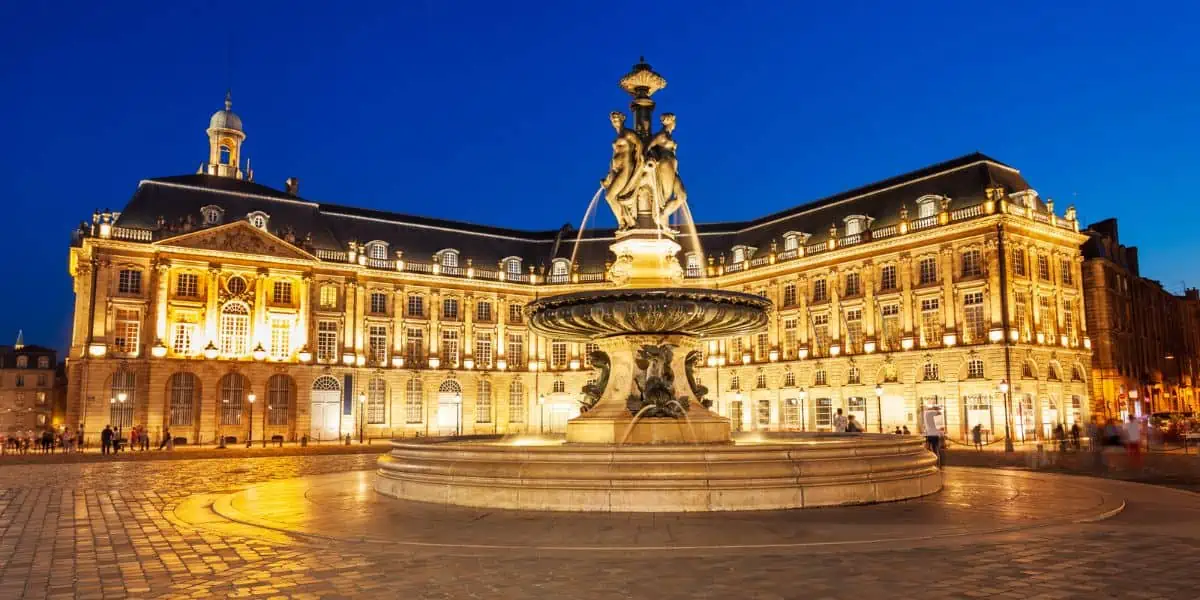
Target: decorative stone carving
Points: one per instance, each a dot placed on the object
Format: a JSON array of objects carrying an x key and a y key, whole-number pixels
[
  {"x": 699, "y": 391},
  {"x": 593, "y": 391},
  {"x": 655, "y": 383},
  {"x": 239, "y": 237}
]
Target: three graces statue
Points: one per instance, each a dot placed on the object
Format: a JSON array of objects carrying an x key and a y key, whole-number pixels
[{"x": 643, "y": 176}]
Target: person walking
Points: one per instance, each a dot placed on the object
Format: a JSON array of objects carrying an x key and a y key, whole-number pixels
[
  {"x": 106, "y": 440},
  {"x": 977, "y": 436},
  {"x": 933, "y": 433},
  {"x": 839, "y": 422},
  {"x": 145, "y": 439},
  {"x": 852, "y": 426},
  {"x": 1133, "y": 442},
  {"x": 166, "y": 437},
  {"x": 1075, "y": 433},
  {"x": 79, "y": 438}
]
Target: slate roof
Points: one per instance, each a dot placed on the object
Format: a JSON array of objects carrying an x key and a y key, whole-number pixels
[
  {"x": 332, "y": 226},
  {"x": 8, "y": 355}
]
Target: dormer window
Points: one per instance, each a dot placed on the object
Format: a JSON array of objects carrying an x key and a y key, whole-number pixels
[
  {"x": 211, "y": 214},
  {"x": 560, "y": 267},
  {"x": 377, "y": 250},
  {"x": 449, "y": 257},
  {"x": 22, "y": 362},
  {"x": 1024, "y": 198},
  {"x": 927, "y": 206},
  {"x": 856, "y": 224},
  {"x": 791, "y": 241},
  {"x": 512, "y": 265},
  {"x": 259, "y": 219},
  {"x": 693, "y": 264},
  {"x": 741, "y": 253}
]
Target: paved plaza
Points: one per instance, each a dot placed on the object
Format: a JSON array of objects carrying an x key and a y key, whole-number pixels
[{"x": 311, "y": 526}]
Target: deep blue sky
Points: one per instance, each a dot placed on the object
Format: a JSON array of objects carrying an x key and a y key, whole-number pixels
[{"x": 496, "y": 112}]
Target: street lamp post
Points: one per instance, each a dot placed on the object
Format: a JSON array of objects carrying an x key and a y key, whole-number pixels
[
  {"x": 541, "y": 413},
  {"x": 803, "y": 413},
  {"x": 879, "y": 405},
  {"x": 362, "y": 417},
  {"x": 250, "y": 434},
  {"x": 1008, "y": 443}
]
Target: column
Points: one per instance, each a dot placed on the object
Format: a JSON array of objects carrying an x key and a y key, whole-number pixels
[
  {"x": 103, "y": 292},
  {"x": 802, "y": 312},
  {"x": 947, "y": 272},
  {"x": 774, "y": 328},
  {"x": 212, "y": 288},
  {"x": 260, "y": 332},
  {"x": 468, "y": 341},
  {"x": 434, "y": 329},
  {"x": 834, "y": 285},
  {"x": 1034, "y": 309},
  {"x": 348, "y": 310},
  {"x": 302, "y": 317},
  {"x": 906, "y": 309},
  {"x": 1077, "y": 261},
  {"x": 398, "y": 328},
  {"x": 501, "y": 343},
  {"x": 162, "y": 274},
  {"x": 870, "y": 312},
  {"x": 993, "y": 308},
  {"x": 360, "y": 329}
]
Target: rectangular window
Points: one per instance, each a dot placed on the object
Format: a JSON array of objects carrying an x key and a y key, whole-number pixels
[
  {"x": 483, "y": 311},
  {"x": 1047, "y": 319},
  {"x": 931, "y": 323},
  {"x": 281, "y": 339},
  {"x": 379, "y": 302},
  {"x": 820, "y": 293},
  {"x": 735, "y": 349},
  {"x": 791, "y": 412},
  {"x": 854, "y": 330},
  {"x": 41, "y": 382},
  {"x": 282, "y": 293},
  {"x": 483, "y": 349},
  {"x": 887, "y": 278},
  {"x": 186, "y": 285},
  {"x": 1068, "y": 277},
  {"x": 890, "y": 314},
  {"x": 1043, "y": 267},
  {"x": 764, "y": 412},
  {"x": 762, "y": 346},
  {"x": 1018, "y": 262},
  {"x": 1068, "y": 321},
  {"x": 514, "y": 313},
  {"x": 43, "y": 362},
  {"x": 971, "y": 264},
  {"x": 327, "y": 341},
  {"x": 516, "y": 350},
  {"x": 588, "y": 349},
  {"x": 927, "y": 272},
  {"x": 450, "y": 348},
  {"x": 853, "y": 284},
  {"x": 377, "y": 344},
  {"x": 127, "y": 326},
  {"x": 820, "y": 334},
  {"x": 974, "y": 329},
  {"x": 790, "y": 341},
  {"x": 416, "y": 306},
  {"x": 328, "y": 296},
  {"x": 414, "y": 346},
  {"x": 450, "y": 309},
  {"x": 824, "y": 413},
  {"x": 181, "y": 338},
  {"x": 1021, "y": 316},
  {"x": 129, "y": 281},
  {"x": 558, "y": 355},
  {"x": 789, "y": 295}
]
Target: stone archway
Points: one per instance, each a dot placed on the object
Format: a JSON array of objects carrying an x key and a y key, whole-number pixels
[
  {"x": 448, "y": 420},
  {"x": 326, "y": 409}
]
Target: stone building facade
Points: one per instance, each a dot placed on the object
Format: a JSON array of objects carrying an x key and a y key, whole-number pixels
[
  {"x": 1146, "y": 340},
  {"x": 217, "y": 306},
  {"x": 27, "y": 388}
]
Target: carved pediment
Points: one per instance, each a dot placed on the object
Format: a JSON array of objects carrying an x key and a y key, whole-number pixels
[{"x": 240, "y": 237}]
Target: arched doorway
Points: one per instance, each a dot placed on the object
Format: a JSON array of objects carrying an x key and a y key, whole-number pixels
[
  {"x": 449, "y": 408},
  {"x": 326, "y": 408}
]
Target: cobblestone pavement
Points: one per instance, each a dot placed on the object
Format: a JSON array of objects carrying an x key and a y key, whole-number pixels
[{"x": 195, "y": 528}]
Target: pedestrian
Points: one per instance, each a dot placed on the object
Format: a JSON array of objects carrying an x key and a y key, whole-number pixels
[
  {"x": 1060, "y": 436},
  {"x": 145, "y": 439},
  {"x": 852, "y": 426},
  {"x": 1133, "y": 442},
  {"x": 166, "y": 438},
  {"x": 977, "y": 436},
  {"x": 79, "y": 438},
  {"x": 133, "y": 438},
  {"x": 839, "y": 422},
  {"x": 933, "y": 433},
  {"x": 897, "y": 431},
  {"x": 906, "y": 431},
  {"x": 106, "y": 440},
  {"x": 1075, "y": 432},
  {"x": 1095, "y": 443}
]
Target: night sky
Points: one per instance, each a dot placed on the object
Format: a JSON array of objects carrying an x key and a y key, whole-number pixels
[{"x": 496, "y": 114}]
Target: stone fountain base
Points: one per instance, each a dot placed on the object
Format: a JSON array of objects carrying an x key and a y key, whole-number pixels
[
  {"x": 775, "y": 472},
  {"x": 701, "y": 427}
]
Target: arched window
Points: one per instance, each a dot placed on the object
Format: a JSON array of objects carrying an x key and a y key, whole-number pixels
[
  {"x": 234, "y": 328},
  {"x": 512, "y": 266},
  {"x": 560, "y": 267},
  {"x": 280, "y": 395},
  {"x": 483, "y": 402},
  {"x": 856, "y": 224},
  {"x": 226, "y": 155},
  {"x": 450, "y": 386},
  {"x": 789, "y": 379},
  {"x": 975, "y": 369},
  {"x": 449, "y": 258},
  {"x": 516, "y": 402},
  {"x": 1053, "y": 372},
  {"x": 232, "y": 389},
  {"x": 259, "y": 221},
  {"x": 377, "y": 250},
  {"x": 325, "y": 383},
  {"x": 211, "y": 214},
  {"x": 1027, "y": 370},
  {"x": 559, "y": 386},
  {"x": 791, "y": 241},
  {"x": 1076, "y": 373},
  {"x": 183, "y": 399},
  {"x": 414, "y": 402},
  {"x": 376, "y": 401},
  {"x": 927, "y": 206},
  {"x": 122, "y": 399},
  {"x": 739, "y": 254}
]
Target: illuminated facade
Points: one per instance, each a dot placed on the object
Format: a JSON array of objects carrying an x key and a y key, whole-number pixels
[
  {"x": 211, "y": 298},
  {"x": 27, "y": 388}
]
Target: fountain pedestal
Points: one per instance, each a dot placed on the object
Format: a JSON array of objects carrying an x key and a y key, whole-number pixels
[{"x": 610, "y": 421}]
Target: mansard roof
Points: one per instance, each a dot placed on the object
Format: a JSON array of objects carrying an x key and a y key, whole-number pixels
[{"x": 164, "y": 204}]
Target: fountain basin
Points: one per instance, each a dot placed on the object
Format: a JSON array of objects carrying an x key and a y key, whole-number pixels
[
  {"x": 691, "y": 312},
  {"x": 778, "y": 471}
]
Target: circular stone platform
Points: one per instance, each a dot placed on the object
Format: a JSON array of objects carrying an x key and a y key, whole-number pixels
[
  {"x": 774, "y": 472},
  {"x": 344, "y": 508}
]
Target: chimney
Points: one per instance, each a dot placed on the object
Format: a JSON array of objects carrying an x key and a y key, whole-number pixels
[{"x": 293, "y": 186}]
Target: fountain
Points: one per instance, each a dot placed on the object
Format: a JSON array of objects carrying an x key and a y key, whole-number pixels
[{"x": 647, "y": 439}]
